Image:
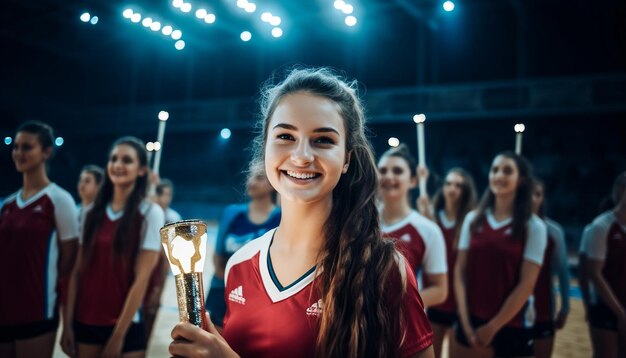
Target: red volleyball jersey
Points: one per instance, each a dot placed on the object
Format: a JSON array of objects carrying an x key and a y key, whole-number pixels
[
  {"x": 448, "y": 228},
  {"x": 420, "y": 241},
  {"x": 265, "y": 321},
  {"x": 105, "y": 279},
  {"x": 607, "y": 242},
  {"x": 30, "y": 233},
  {"x": 494, "y": 263}
]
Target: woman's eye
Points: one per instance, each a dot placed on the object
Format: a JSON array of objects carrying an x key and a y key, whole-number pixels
[
  {"x": 397, "y": 171},
  {"x": 285, "y": 136},
  {"x": 382, "y": 171},
  {"x": 324, "y": 140}
]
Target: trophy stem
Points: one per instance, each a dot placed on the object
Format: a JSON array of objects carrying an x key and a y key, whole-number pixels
[{"x": 191, "y": 299}]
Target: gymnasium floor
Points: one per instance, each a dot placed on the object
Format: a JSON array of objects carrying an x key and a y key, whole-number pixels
[{"x": 573, "y": 341}]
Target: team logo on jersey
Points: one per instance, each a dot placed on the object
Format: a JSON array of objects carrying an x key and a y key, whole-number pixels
[
  {"x": 508, "y": 231},
  {"x": 315, "y": 309},
  {"x": 236, "y": 295},
  {"x": 405, "y": 238},
  {"x": 37, "y": 209}
]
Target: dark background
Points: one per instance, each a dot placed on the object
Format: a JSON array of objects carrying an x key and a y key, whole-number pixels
[{"x": 557, "y": 66}]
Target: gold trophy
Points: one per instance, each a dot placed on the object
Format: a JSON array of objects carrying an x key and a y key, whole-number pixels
[{"x": 184, "y": 243}]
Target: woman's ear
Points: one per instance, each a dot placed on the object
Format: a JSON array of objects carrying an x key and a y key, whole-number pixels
[{"x": 346, "y": 165}]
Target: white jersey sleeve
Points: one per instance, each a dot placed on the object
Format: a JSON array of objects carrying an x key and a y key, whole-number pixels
[
  {"x": 435, "y": 261},
  {"x": 595, "y": 245},
  {"x": 464, "y": 238},
  {"x": 536, "y": 241},
  {"x": 64, "y": 213},
  {"x": 582, "y": 249},
  {"x": 154, "y": 219}
]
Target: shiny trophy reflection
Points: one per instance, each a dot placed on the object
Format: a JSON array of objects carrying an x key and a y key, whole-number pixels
[{"x": 184, "y": 243}]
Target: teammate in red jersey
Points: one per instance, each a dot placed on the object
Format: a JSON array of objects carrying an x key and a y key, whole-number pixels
[
  {"x": 120, "y": 246},
  {"x": 449, "y": 206},
  {"x": 501, "y": 249},
  {"x": 324, "y": 283},
  {"x": 605, "y": 250},
  {"x": 547, "y": 319},
  {"x": 38, "y": 232},
  {"x": 419, "y": 239}
]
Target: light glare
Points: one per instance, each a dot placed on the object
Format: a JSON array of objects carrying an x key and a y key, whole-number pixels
[
  {"x": 177, "y": 34},
  {"x": 393, "y": 142},
  {"x": 266, "y": 16},
  {"x": 209, "y": 18},
  {"x": 156, "y": 26},
  {"x": 275, "y": 21},
  {"x": 277, "y": 32},
  {"x": 448, "y": 6},
  {"x": 85, "y": 17},
  {"x": 166, "y": 30},
  {"x": 245, "y": 36},
  {"x": 201, "y": 13},
  {"x": 350, "y": 20},
  {"x": 180, "y": 44}
]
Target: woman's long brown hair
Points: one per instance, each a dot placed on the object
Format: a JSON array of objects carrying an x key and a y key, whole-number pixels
[{"x": 358, "y": 318}]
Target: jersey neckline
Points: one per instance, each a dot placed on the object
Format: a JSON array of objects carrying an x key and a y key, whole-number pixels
[{"x": 21, "y": 203}]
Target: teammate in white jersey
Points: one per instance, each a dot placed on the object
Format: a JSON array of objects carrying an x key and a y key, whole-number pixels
[{"x": 38, "y": 232}]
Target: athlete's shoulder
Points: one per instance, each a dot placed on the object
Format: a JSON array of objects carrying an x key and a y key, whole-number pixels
[
  {"x": 58, "y": 194},
  {"x": 535, "y": 223},
  {"x": 603, "y": 220},
  {"x": 420, "y": 221},
  {"x": 248, "y": 251}
]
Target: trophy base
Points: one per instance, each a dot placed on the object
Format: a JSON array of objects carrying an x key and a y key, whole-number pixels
[{"x": 191, "y": 299}]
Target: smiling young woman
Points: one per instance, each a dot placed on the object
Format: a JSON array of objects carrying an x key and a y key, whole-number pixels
[
  {"x": 38, "y": 232},
  {"x": 501, "y": 249},
  {"x": 120, "y": 246},
  {"x": 324, "y": 283}
]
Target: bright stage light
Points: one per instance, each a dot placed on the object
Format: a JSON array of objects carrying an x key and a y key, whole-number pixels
[
  {"x": 245, "y": 36},
  {"x": 59, "y": 141},
  {"x": 209, "y": 18},
  {"x": 136, "y": 17},
  {"x": 250, "y": 7},
  {"x": 8, "y": 140},
  {"x": 146, "y": 22},
  {"x": 156, "y": 26},
  {"x": 200, "y": 13},
  {"x": 339, "y": 4},
  {"x": 177, "y": 34},
  {"x": 393, "y": 142},
  {"x": 166, "y": 30},
  {"x": 350, "y": 20},
  {"x": 94, "y": 20},
  {"x": 277, "y": 32},
  {"x": 177, "y": 3},
  {"x": 348, "y": 9},
  {"x": 242, "y": 3},
  {"x": 448, "y": 6},
  {"x": 157, "y": 146},
  {"x": 186, "y": 7},
  {"x": 275, "y": 20},
  {"x": 180, "y": 44},
  {"x": 85, "y": 17},
  {"x": 127, "y": 13},
  {"x": 225, "y": 133},
  {"x": 266, "y": 16}
]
